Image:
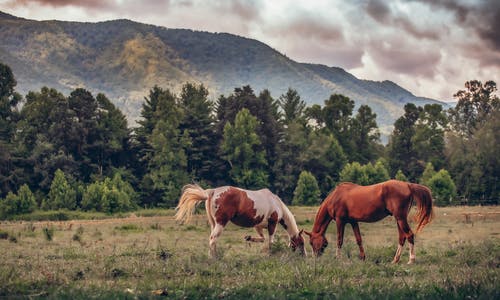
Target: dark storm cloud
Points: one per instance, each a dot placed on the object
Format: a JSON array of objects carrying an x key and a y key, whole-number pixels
[
  {"x": 378, "y": 10},
  {"x": 483, "y": 17},
  {"x": 381, "y": 12}
]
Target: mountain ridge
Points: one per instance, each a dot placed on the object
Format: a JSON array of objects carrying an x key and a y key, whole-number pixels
[{"x": 124, "y": 59}]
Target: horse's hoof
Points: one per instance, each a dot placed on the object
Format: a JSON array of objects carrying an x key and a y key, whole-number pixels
[
  {"x": 362, "y": 257},
  {"x": 247, "y": 238},
  {"x": 411, "y": 261},
  {"x": 395, "y": 261}
]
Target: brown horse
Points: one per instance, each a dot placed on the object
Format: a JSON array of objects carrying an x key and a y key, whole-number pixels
[
  {"x": 351, "y": 203},
  {"x": 259, "y": 209}
]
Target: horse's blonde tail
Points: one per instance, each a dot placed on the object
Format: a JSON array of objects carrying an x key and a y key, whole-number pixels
[
  {"x": 192, "y": 194},
  {"x": 423, "y": 197}
]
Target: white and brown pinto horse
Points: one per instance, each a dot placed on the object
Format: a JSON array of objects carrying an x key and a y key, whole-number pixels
[{"x": 259, "y": 209}]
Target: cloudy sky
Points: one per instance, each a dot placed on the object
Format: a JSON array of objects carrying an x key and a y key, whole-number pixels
[{"x": 430, "y": 47}]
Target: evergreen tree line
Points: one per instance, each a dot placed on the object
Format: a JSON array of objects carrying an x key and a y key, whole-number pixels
[{"x": 77, "y": 152}]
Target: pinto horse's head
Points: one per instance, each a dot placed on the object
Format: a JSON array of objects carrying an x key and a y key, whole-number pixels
[
  {"x": 318, "y": 242},
  {"x": 297, "y": 242}
]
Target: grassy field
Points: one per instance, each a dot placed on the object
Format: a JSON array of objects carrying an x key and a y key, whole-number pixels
[{"x": 458, "y": 257}]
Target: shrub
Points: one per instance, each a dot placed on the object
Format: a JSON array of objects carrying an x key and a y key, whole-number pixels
[
  {"x": 110, "y": 196},
  {"x": 364, "y": 174},
  {"x": 61, "y": 194},
  {"x": 443, "y": 188},
  {"x": 23, "y": 202},
  {"x": 428, "y": 173},
  {"x": 4, "y": 234},
  {"x": 307, "y": 191},
  {"x": 400, "y": 176},
  {"x": 48, "y": 233}
]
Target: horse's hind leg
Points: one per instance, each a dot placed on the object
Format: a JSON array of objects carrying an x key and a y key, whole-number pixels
[
  {"x": 216, "y": 232},
  {"x": 259, "y": 239},
  {"x": 357, "y": 234},
  {"x": 404, "y": 233}
]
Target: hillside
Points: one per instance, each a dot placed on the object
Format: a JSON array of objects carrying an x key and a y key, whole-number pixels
[{"x": 124, "y": 59}]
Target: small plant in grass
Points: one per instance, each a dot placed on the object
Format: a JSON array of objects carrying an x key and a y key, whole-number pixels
[
  {"x": 30, "y": 227},
  {"x": 79, "y": 275},
  {"x": 4, "y": 234},
  {"x": 116, "y": 273},
  {"x": 12, "y": 239},
  {"x": 79, "y": 230},
  {"x": 155, "y": 226},
  {"x": 278, "y": 246},
  {"x": 77, "y": 237},
  {"x": 48, "y": 233},
  {"x": 163, "y": 253},
  {"x": 97, "y": 234},
  {"x": 128, "y": 227}
]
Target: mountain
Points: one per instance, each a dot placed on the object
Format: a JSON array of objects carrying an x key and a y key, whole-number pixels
[{"x": 124, "y": 59}]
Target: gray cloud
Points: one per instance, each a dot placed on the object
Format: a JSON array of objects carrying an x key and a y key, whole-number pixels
[
  {"x": 483, "y": 17},
  {"x": 405, "y": 58},
  {"x": 381, "y": 12},
  {"x": 378, "y": 10},
  {"x": 61, "y": 3},
  {"x": 425, "y": 45}
]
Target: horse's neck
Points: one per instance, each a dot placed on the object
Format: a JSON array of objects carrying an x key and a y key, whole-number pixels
[
  {"x": 288, "y": 218},
  {"x": 322, "y": 220}
]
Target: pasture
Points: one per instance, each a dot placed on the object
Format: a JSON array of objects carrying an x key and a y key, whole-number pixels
[{"x": 458, "y": 256}]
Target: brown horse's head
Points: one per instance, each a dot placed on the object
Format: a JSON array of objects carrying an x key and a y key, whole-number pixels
[
  {"x": 318, "y": 242},
  {"x": 297, "y": 242}
]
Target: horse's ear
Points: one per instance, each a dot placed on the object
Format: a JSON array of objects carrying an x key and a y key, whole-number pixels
[
  {"x": 308, "y": 233},
  {"x": 300, "y": 232}
]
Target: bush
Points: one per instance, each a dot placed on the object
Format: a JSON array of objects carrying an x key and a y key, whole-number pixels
[
  {"x": 61, "y": 194},
  {"x": 364, "y": 174},
  {"x": 443, "y": 188},
  {"x": 428, "y": 173},
  {"x": 109, "y": 196},
  {"x": 23, "y": 202},
  {"x": 400, "y": 176},
  {"x": 307, "y": 191}
]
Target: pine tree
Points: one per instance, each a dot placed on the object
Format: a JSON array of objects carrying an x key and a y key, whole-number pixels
[
  {"x": 365, "y": 135},
  {"x": 428, "y": 173},
  {"x": 199, "y": 122},
  {"x": 61, "y": 194},
  {"x": 402, "y": 155},
  {"x": 241, "y": 149},
  {"x": 307, "y": 191}
]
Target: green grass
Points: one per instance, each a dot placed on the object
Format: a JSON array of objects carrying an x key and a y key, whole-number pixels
[
  {"x": 162, "y": 257},
  {"x": 66, "y": 215}
]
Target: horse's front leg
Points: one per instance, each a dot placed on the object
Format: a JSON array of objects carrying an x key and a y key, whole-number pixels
[
  {"x": 216, "y": 232},
  {"x": 271, "y": 228},
  {"x": 340, "y": 235},
  {"x": 357, "y": 234}
]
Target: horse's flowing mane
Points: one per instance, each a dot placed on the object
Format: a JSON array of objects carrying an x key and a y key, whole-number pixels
[{"x": 289, "y": 218}]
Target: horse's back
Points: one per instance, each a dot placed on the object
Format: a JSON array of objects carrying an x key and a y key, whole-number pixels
[
  {"x": 244, "y": 207},
  {"x": 369, "y": 203}
]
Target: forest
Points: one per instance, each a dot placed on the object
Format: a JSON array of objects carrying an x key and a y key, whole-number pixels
[{"x": 77, "y": 152}]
